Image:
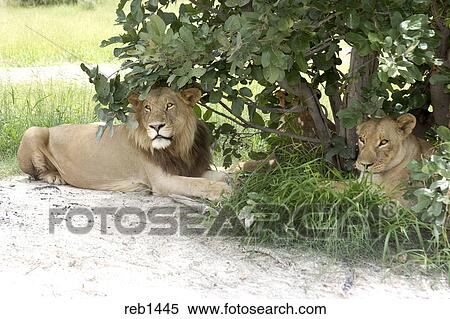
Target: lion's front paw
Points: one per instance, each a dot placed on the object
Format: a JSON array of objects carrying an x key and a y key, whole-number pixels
[
  {"x": 216, "y": 189},
  {"x": 53, "y": 178}
]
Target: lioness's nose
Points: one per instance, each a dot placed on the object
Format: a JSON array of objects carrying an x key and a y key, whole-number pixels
[
  {"x": 366, "y": 165},
  {"x": 157, "y": 126}
]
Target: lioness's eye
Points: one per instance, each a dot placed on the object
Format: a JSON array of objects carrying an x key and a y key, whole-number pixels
[
  {"x": 361, "y": 140},
  {"x": 148, "y": 108},
  {"x": 169, "y": 106},
  {"x": 383, "y": 142}
]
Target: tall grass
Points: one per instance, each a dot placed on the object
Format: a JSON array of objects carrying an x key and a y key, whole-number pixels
[
  {"x": 306, "y": 201},
  {"x": 56, "y": 34},
  {"x": 39, "y": 104}
]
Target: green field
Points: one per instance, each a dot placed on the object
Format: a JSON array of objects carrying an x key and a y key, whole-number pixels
[{"x": 56, "y": 35}]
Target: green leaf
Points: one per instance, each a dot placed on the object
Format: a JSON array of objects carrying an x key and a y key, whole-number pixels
[
  {"x": 441, "y": 184},
  {"x": 258, "y": 119},
  {"x": 92, "y": 73},
  {"x": 273, "y": 74},
  {"x": 265, "y": 58},
  {"x": 301, "y": 62},
  {"x": 246, "y": 92},
  {"x": 100, "y": 132},
  {"x": 435, "y": 209},
  {"x": 207, "y": 115},
  {"x": 444, "y": 133},
  {"x": 352, "y": 19},
  {"x": 197, "y": 72},
  {"x": 415, "y": 22},
  {"x": 236, "y": 3},
  {"x": 424, "y": 192},
  {"x": 237, "y": 107},
  {"x": 215, "y": 97},
  {"x": 187, "y": 36},
  {"x": 136, "y": 10},
  {"x": 112, "y": 40},
  {"x": 132, "y": 123},
  {"x": 351, "y": 116},
  {"x": 101, "y": 85},
  {"x": 156, "y": 26},
  {"x": 233, "y": 23}
]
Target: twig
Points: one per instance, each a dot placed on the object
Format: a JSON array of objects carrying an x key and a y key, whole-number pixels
[
  {"x": 331, "y": 16},
  {"x": 271, "y": 109},
  {"x": 222, "y": 114},
  {"x": 270, "y": 130},
  {"x": 322, "y": 46}
]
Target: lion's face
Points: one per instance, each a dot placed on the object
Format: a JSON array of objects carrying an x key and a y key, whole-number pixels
[
  {"x": 166, "y": 116},
  {"x": 381, "y": 143}
]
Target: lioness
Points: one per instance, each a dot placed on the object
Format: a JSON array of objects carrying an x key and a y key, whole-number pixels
[
  {"x": 168, "y": 152},
  {"x": 386, "y": 146}
]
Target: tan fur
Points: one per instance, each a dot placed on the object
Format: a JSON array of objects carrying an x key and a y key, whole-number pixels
[
  {"x": 386, "y": 146},
  {"x": 168, "y": 152}
]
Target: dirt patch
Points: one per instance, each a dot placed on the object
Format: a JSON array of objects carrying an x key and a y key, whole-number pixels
[{"x": 95, "y": 264}]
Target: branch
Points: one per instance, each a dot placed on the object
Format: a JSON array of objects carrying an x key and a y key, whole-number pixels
[
  {"x": 223, "y": 114},
  {"x": 322, "y": 46},
  {"x": 268, "y": 129},
  {"x": 331, "y": 16},
  {"x": 271, "y": 109}
]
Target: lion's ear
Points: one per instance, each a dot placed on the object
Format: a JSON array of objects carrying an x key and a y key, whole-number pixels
[
  {"x": 133, "y": 98},
  {"x": 191, "y": 96},
  {"x": 406, "y": 123}
]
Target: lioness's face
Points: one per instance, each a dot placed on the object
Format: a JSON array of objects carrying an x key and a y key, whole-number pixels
[
  {"x": 165, "y": 113},
  {"x": 381, "y": 142}
]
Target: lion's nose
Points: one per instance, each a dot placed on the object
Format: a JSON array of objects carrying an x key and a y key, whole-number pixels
[{"x": 157, "y": 126}]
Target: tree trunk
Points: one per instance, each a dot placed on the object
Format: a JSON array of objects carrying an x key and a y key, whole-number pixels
[
  {"x": 440, "y": 100},
  {"x": 360, "y": 73},
  {"x": 309, "y": 99}
]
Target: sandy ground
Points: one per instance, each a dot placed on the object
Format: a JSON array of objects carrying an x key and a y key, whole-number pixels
[{"x": 95, "y": 264}]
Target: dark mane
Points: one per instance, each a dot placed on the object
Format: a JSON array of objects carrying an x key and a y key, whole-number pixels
[{"x": 195, "y": 164}]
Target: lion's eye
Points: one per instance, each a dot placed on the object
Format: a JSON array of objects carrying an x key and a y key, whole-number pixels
[
  {"x": 361, "y": 140},
  {"x": 383, "y": 142},
  {"x": 169, "y": 106},
  {"x": 148, "y": 108}
]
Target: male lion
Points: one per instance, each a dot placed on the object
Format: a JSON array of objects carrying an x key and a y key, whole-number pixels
[
  {"x": 386, "y": 146},
  {"x": 167, "y": 153}
]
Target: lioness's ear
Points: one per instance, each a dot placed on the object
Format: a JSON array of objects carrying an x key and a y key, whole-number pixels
[
  {"x": 359, "y": 127},
  {"x": 191, "y": 96},
  {"x": 133, "y": 98},
  {"x": 406, "y": 123}
]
